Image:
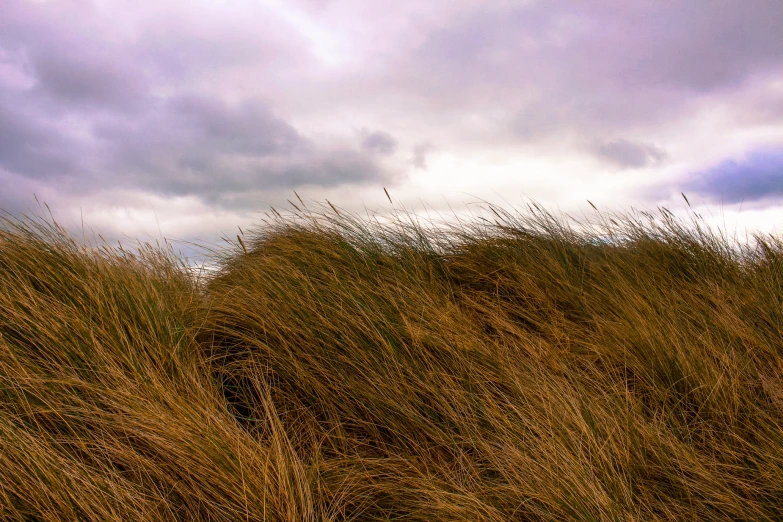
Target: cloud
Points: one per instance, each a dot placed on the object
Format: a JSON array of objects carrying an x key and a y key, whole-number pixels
[
  {"x": 608, "y": 43},
  {"x": 69, "y": 68},
  {"x": 188, "y": 145},
  {"x": 32, "y": 146},
  {"x": 194, "y": 145},
  {"x": 629, "y": 154},
  {"x": 131, "y": 107},
  {"x": 222, "y": 103},
  {"x": 757, "y": 176},
  {"x": 568, "y": 67},
  {"x": 218, "y": 42},
  {"x": 17, "y": 194},
  {"x": 78, "y": 78},
  {"x": 420, "y": 153},
  {"x": 378, "y": 142}
]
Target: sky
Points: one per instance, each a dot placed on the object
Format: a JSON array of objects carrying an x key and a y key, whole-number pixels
[{"x": 186, "y": 119}]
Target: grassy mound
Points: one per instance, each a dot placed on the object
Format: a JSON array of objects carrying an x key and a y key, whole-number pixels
[{"x": 520, "y": 367}]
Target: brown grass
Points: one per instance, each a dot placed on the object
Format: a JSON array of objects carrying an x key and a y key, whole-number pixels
[{"x": 517, "y": 367}]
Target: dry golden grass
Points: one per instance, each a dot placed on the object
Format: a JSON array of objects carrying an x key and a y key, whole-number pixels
[{"x": 520, "y": 367}]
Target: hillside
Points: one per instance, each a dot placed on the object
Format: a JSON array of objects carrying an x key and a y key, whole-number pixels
[{"x": 515, "y": 367}]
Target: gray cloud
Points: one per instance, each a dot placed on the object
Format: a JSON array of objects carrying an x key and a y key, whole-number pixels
[
  {"x": 32, "y": 146},
  {"x": 757, "y": 176},
  {"x": 185, "y": 145},
  {"x": 629, "y": 154},
  {"x": 693, "y": 44},
  {"x": 75, "y": 65},
  {"x": 197, "y": 145},
  {"x": 379, "y": 142},
  {"x": 102, "y": 113},
  {"x": 698, "y": 46},
  {"x": 214, "y": 39},
  {"x": 420, "y": 153},
  {"x": 17, "y": 194},
  {"x": 569, "y": 67},
  {"x": 81, "y": 79}
]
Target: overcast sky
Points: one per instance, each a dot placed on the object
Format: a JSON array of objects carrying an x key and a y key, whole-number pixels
[{"x": 188, "y": 118}]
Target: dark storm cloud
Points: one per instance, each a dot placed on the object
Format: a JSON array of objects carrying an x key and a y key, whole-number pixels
[
  {"x": 757, "y": 176},
  {"x": 629, "y": 154},
  {"x": 379, "y": 142}
]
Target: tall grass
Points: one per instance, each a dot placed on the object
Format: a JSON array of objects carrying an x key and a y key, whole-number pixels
[{"x": 520, "y": 366}]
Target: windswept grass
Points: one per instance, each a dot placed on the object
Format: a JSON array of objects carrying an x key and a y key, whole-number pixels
[{"x": 515, "y": 367}]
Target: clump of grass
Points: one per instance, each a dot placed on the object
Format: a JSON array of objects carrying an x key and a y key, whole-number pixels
[
  {"x": 106, "y": 411},
  {"x": 520, "y": 366}
]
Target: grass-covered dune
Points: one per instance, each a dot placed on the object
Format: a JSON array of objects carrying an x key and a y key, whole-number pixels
[{"x": 514, "y": 367}]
